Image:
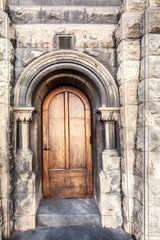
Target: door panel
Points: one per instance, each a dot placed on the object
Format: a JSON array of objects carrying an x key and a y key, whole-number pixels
[{"x": 67, "y": 164}]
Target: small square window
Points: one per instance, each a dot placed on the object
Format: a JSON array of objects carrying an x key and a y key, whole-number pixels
[{"x": 65, "y": 42}]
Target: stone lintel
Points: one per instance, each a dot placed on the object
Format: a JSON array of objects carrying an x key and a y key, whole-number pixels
[
  {"x": 109, "y": 114},
  {"x": 23, "y": 114}
]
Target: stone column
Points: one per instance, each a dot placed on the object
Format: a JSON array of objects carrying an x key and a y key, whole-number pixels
[
  {"x": 25, "y": 209},
  {"x": 109, "y": 176},
  {"x": 109, "y": 116}
]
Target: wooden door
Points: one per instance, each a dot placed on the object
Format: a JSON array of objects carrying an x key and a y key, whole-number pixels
[{"x": 67, "y": 158}]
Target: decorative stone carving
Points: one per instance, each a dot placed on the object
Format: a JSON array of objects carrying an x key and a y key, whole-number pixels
[
  {"x": 109, "y": 116},
  {"x": 23, "y": 117}
]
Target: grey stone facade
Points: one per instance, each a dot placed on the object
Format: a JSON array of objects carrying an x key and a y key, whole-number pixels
[{"x": 114, "y": 59}]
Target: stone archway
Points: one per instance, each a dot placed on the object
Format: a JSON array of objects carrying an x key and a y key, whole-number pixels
[{"x": 39, "y": 78}]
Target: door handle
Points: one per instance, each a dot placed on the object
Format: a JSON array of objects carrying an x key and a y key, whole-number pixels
[{"x": 45, "y": 147}]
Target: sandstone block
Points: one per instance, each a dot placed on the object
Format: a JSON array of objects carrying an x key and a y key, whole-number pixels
[
  {"x": 2, "y": 48},
  {"x": 154, "y": 192},
  {"x": 86, "y": 36},
  {"x": 25, "y": 56},
  {"x": 137, "y": 5},
  {"x": 154, "y": 70},
  {"x": 23, "y": 162},
  {"x": 128, "y": 72},
  {"x": 131, "y": 91},
  {"x": 154, "y": 221},
  {"x": 153, "y": 114},
  {"x": 154, "y": 90},
  {"x": 128, "y": 116},
  {"x": 155, "y": 3},
  {"x": 154, "y": 139},
  {"x": 128, "y": 50},
  {"x": 141, "y": 115},
  {"x": 150, "y": 44},
  {"x": 141, "y": 88},
  {"x": 128, "y": 156},
  {"x": 110, "y": 163},
  {"x": 140, "y": 138},
  {"x": 25, "y": 204},
  {"x": 109, "y": 182},
  {"x": 129, "y": 26},
  {"x": 25, "y": 183},
  {"x": 139, "y": 164},
  {"x": 111, "y": 204},
  {"x": 154, "y": 165},
  {"x": 152, "y": 20},
  {"x": 138, "y": 213},
  {"x": 26, "y": 14},
  {"x": 24, "y": 223},
  {"x": 112, "y": 221}
]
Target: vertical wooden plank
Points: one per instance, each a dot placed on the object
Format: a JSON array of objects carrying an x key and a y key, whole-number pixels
[
  {"x": 45, "y": 155},
  {"x": 67, "y": 136},
  {"x": 88, "y": 152},
  {"x": 77, "y": 132}
]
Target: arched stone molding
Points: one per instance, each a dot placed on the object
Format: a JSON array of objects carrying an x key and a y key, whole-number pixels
[
  {"x": 69, "y": 60},
  {"x": 38, "y": 79}
]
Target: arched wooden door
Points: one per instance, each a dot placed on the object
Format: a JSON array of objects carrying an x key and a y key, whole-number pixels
[{"x": 67, "y": 157}]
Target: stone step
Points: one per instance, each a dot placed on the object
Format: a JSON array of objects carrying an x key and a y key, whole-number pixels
[
  {"x": 63, "y": 14},
  {"x": 67, "y": 212}
]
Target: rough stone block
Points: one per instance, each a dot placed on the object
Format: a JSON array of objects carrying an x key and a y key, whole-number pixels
[
  {"x": 23, "y": 223},
  {"x": 154, "y": 165},
  {"x": 128, "y": 116},
  {"x": 154, "y": 192},
  {"x": 154, "y": 139},
  {"x": 110, "y": 162},
  {"x": 154, "y": 221},
  {"x": 154, "y": 90},
  {"x": 24, "y": 204},
  {"x": 109, "y": 182},
  {"x": 128, "y": 72},
  {"x": 128, "y": 50},
  {"x": 140, "y": 138},
  {"x": 86, "y": 36},
  {"x": 111, "y": 204},
  {"x": 137, "y": 5},
  {"x": 153, "y": 114},
  {"x": 150, "y": 44},
  {"x": 141, "y": 88},
  {"x": 152, "y": 20},
  {"x": 25, "y": 183},
  {"x": 23, "y": 162},
  {"x": 2, "y": 48},
  {"x": 138, "y": 214},
  {"x": 25, "y": 56},
  {"x": 131, "y": 91},
  {"x": 139, "y": 164},
  {"x": 155, "y": 3},
  {"x": 112, "y": 221},
  {"x": 129, "y": 26},
  {"x": 25, "y": 15},
  {"x": 128, "y": 156},
  {"x": 154, "y": 70}
]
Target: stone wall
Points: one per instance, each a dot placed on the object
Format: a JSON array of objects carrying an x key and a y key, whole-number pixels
[
  {"x": 7, "y": 38},
  {"x": 137, "y": 37},
  {"x": 148, "y": 142}
]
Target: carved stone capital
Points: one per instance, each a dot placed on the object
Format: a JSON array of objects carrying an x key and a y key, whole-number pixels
[
  {"x": 23, "y": 114},
  {"x": 109, "y": 114}
]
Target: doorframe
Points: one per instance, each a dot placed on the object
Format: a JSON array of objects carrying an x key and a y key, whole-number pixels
[{"x": 40, "y": 77}]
